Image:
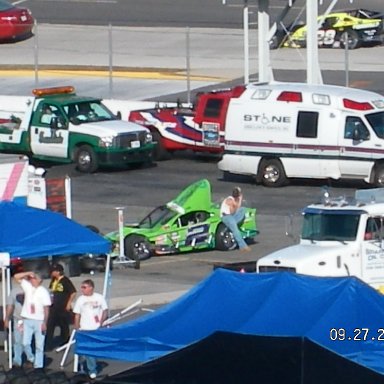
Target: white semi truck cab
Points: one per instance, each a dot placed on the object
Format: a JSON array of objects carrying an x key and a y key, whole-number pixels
[{"x": 338, "y": 238}]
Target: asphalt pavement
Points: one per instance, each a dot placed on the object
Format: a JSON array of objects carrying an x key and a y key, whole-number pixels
[{"x": 151, "y": 64}]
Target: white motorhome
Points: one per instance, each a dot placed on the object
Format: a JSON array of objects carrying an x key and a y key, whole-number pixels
[
  {"x": 338, "y": 238},
  {"x": 277, "y": 131}
]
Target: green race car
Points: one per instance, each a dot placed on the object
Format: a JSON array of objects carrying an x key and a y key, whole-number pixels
[{"x": 190, "y": 222}]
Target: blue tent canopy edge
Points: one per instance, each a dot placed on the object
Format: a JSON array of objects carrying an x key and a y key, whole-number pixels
[
  {"x": 331, "y": 312},
  {"x": 27, "y": 232}
]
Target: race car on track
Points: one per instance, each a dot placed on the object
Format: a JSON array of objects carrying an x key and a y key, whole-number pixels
[
  {"x": 358, "y": 27},
  {"x": 190, "y": 222}
]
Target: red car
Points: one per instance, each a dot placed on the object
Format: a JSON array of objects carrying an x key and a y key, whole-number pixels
[{"x": 16, "y": 23}]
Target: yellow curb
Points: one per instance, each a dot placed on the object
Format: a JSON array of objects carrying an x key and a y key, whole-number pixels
[{"x": 154, "y": 75}]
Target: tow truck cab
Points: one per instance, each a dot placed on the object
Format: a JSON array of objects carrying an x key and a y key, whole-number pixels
[
  {"x": 56, "y": 124},
  {"x": 338, "y": 238}
]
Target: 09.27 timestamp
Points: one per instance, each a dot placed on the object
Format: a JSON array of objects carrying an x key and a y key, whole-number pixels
[{"x": 356, "y": 334}]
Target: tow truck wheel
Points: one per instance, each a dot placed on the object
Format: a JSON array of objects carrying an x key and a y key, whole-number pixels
[
  {"x": 272, "y": 173},
  {"x": 159, "y": 152},
  {"x": 86, "y": 159},
  {"x": 351, "y": 38},
  {"x": 224, "y": 239},
  {"x": 137, "y": 247}
]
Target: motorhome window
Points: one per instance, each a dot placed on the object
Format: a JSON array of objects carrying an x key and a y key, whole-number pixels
[
  {"x": 307, "y": 124},
  {"x": 213, "y": 108},
  {"x": 330, "y": 227},
  {"x": 376, "y": 120}
]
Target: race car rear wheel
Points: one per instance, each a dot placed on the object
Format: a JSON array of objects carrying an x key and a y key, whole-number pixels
[
  {"x": 351, "y": 37},
  {"x": 224, "y": 239},
  {"x": 137, "y": 247}
]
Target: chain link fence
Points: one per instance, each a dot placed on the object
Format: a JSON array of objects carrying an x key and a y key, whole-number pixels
[{"x": 113, "y": 53}]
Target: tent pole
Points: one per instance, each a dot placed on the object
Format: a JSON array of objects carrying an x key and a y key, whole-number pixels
[
  {"x": 106, "y": 275},
  {"x": 12, "y": 324},
  {"x": 5, "y": 291},
  {"x": 70, "y": 342}
]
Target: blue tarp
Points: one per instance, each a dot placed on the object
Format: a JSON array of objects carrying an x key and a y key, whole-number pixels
[
  {"x": 27, "y": 232},
  {"x": 268, "y": 304}
]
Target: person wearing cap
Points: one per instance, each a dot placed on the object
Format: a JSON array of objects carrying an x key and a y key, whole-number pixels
[
  {"x": 232, "y": 213},
  {"x": 35, "y": 312},
  {"x": 63, "y": 293}
]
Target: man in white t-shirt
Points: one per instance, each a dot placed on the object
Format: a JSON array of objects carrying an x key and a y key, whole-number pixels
[
  {"x": 232, "y": 213},
  {"x": 90, "y": 311},
  {"x": 34, "y": 313}
]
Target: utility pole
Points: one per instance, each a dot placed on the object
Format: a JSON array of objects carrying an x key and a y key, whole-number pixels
[{"x": 265, "y": 72}]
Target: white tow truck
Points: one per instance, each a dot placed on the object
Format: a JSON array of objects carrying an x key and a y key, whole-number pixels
[
  {"x": 338, "y": 238},
  {"x": 57, "y": 125}
]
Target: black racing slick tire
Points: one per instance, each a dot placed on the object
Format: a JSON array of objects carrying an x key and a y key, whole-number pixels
[
  {"x": 86, "y": 159},
  {"x": 137, "y": 247},
  {"x": 272, "y": 174},
  {"x": 224, "y": 239},
  {"x": 352, "y": 38}
]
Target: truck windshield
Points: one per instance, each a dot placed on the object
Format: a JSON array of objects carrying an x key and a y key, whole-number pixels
[
  {"x": 376, "y": 120},
  {"x": 336, "y": 226},
  {"x": 88, "y": 111}
]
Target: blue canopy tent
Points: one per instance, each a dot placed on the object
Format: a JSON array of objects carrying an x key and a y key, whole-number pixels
[
  {"x": 27, "y": 232},
  {"x": 269, "y": 304}
]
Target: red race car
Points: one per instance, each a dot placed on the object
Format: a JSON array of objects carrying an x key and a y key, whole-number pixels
[{"x": 16, "y": 23}]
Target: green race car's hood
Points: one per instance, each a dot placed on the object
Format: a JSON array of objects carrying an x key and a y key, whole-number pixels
[{"x": 196, "y": 196}]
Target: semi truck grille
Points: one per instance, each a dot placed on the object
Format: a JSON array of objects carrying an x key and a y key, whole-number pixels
[
  {"x": 126, "y": 140},
  {"x": 271, "y": 268}
]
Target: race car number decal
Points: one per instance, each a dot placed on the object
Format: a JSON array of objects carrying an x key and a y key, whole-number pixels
[
  {"x": 326, "y": 37},
  {"x": 197, "y": 234}
]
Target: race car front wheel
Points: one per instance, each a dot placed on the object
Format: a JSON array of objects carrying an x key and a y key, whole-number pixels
[
  {"x": 352, "y": 39},
  {"x": 224, "y": 239},
  {"x": 137, "y": 247}
]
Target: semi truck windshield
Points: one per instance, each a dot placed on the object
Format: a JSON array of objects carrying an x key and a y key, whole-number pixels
[{"x": 330, "y": 226}]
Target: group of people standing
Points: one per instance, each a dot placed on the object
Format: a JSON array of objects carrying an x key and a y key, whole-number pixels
[{"x": 36, "y": 311}]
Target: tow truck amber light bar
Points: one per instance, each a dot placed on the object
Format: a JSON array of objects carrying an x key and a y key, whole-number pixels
[
  {"x": 290, "y": 96},
  {"x": 350, "y": 104},
  {"x": 53, "y": 91}
]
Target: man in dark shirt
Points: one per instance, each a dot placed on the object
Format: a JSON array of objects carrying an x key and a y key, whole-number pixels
[{"x": 63, "y": 293}]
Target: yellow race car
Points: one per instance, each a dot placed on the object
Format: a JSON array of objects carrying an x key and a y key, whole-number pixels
[{"x": 353, "y": 28}]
